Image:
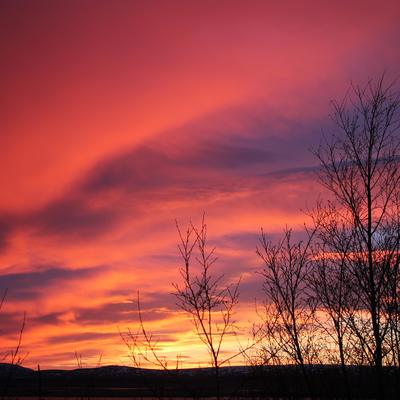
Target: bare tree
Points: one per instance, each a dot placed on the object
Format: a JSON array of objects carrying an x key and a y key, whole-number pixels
[
  {"x": 291, "y": 310},
  {"x": 266, "y": 333},
  {"x": 144, "y": 350},
  {"x": 333, "y": 287},
  {"x": 143, "y": 347},
  {"x": 360, "y": 169},
  {"x": 14, "y": 355},
  {"x": 209, "y": 302}
]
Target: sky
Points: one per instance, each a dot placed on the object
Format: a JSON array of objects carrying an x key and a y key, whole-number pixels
[{"x": 119, "y": 117}]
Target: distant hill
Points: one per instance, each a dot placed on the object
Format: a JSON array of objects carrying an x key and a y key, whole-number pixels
[{"x": 237, "y": 381}]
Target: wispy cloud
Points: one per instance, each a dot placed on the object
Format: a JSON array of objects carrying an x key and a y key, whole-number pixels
[{"x": 28, "y": 286}]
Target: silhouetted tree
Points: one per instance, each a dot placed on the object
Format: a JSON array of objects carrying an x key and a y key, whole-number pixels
[
  {"x": 360, "y": 170},
  {"x": 13, "y": 356},
  {"x": 203, "y": 295},
  {"x": 333, "y": 288},
  {"x": 205, "y": 298},
  {"x": 290, "y": 316},
  {"x": 144, "y": 349}
]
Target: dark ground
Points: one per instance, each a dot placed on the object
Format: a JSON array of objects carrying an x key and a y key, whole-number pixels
[{"x": 249, "y": 382}]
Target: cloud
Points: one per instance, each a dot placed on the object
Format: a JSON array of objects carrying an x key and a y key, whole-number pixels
[
  {"x": 53, "y": 318},
  {"x": 29, "y": 286},
  {"x": 73, "y": 218},
  {"x": 80, "y": 337},
  {"x": 10, "y": 323},
  {"x": 238, "y": 240},
  {"x": 117, "y": 313},
  {"x": 227, "y": 152},
  {"x": 149, "y": 169},
  {"x": 6, "y": 226},
  {"x": 205, "y": 151}
]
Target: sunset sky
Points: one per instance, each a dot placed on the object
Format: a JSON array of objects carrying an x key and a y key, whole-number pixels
[{"x": 118, "y": 117}]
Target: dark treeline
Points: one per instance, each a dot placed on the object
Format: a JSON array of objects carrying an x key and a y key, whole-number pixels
[{"x": 234, "y": 382}]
